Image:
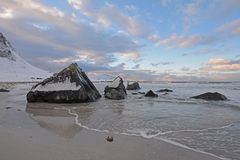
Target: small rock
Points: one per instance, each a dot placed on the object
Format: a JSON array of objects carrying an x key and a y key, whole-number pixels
[
  {"x": 8, "y": 107},
  {"x": 134, "y": 93},
  {"x": 151, "y": 94},
  {"x": 164, "y": 90},
  {"x": 141, "y": 92},
  {"x": 133, "y": 86},
  {"x": 109, "y": 138},
  {"x": 211, "y": 96},
  {"x": 4, "y": 90}
]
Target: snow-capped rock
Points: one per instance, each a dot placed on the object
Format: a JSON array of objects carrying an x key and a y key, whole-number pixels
[
  {"x": 14, "y": 68},
  {"x": 116, "y": 89},
  {"x": 68, "y": 86}
]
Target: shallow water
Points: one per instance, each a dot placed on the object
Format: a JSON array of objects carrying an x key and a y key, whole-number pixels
[{"x": 212, "y": 127}]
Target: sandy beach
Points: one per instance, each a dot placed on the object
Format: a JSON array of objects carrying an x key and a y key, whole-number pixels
[{"x": 54, "y": 135}]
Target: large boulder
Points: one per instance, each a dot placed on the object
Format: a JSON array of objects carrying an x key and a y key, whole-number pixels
[
  {"x": 133, "y": 86},
  {"x": 71, "y": 85},
  {"x": 116, "y": 90},
  {"x": 151, "y": 94},
  {"x": 211, "y": 96}
]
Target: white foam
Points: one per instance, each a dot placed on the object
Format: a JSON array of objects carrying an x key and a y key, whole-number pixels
[{"x": 192, "y": 149}]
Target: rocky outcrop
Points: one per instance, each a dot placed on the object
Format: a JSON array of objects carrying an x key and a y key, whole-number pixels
[
  {"x": 211, "y": 96},
  {"x": 164, "y": 90},
  {"x": 71, "y": 85},
  {"x": 151, "y": 94},
  {"x": 116, "y": 90},
  {"x": 133, "y": 86}
]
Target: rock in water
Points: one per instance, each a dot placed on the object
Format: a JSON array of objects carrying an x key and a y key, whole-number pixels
[
  {"x": 164, "y": 90},
  {"x": 133, "y": 86},
  {"x": 211, "y": 96},
  {"x": 151, "y": 94},
  {"x": 3, "y": 90},
  {"x": 116, "y": 90},
  {"x": 71, "y": 85}
]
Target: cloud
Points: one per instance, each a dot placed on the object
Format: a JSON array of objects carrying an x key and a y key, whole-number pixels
[
  {"x": 161, "y": 63},
  {"x": 110, "y": 15},
  {"x": 199, "y": 11},
  {"x": 6, "y": 13},
  {"x": 154, "y": 38},
  {"x": 57, "y": 38},
  {"x": 232, "y": 27},
  {"x": 130, "y": 55},
  {"x": 221, "y": 65},
  {"x": 131, "y": 8},
  {"x": 41, "y": 27},
  {"x": 185, "y": 69},
  {"x": 185, "y": 41},
  {"x": 137, "y": 66},
  {"x": 81, "y": 5}
]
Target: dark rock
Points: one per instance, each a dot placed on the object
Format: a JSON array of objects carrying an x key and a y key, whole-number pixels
[
  {"x": 8, "y": 107},
  {"x": 109, "y": 138},
  {"x": 4, "y": 90},
  {"x": 211, "y": 96},
  {"x": 141, "y": 92},
  {"x": 116, "y": 90},
  {"x": 151, "y": 94},
  {"x": 71, "y": 85},
  {"x": 133, "y": 86},
  {"x": 164, "y": 90},
  {"x": 134, "y": 93}
]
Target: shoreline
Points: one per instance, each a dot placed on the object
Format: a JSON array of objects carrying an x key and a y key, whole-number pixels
[{"x": 63, "y": 131}]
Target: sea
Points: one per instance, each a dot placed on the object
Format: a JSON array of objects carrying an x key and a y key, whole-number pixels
[{"x": 211, "y": 127}]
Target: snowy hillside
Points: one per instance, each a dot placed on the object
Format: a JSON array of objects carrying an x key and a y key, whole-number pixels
[{"x": 13, "y": 68}]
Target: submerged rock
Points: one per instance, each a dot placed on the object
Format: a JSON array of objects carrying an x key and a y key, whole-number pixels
[
  {"x": 164, "y": 90},
  {"x": 71, "y": 85},
  {"x": 211, "y": 96},
  {"x": 151, "y": 94},
  {"x": 116, "y": 90},
  {"x": 133, "y": 86},
  {"x": 4, "y": 90}
]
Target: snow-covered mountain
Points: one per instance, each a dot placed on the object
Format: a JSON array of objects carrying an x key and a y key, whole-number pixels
[{"x": 14, "y": 68}]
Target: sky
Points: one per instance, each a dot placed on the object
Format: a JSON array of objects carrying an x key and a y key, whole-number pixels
[{"x": 144, "y": 40}]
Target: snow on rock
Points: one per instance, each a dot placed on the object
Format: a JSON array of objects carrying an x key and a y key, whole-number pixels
[
  {"x": 115, "y": 83},
  {"x": 59, "y": 86},
  {"x": 14, "y": 68}
]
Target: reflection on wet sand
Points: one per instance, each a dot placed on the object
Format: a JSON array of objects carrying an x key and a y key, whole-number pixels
[{"x": 57, "y": 119}]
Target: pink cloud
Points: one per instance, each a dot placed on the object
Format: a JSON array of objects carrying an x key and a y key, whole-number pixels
[{"x": 221, "y": 65}]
